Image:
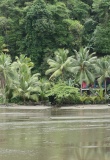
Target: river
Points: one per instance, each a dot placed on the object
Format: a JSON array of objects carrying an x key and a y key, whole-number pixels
[{"x": 44, "y": 133}]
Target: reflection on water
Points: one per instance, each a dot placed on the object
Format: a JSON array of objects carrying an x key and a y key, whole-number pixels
[{"x": 54, "y": 134}]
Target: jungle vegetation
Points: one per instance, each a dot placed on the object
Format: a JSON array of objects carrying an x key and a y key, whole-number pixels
[{"x": 48, "y": 47}]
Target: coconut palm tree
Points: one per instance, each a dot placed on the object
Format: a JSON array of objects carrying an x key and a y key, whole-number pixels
[
  {"x": 61, "y": 64},
  {"x": 104, "y": 72},
  {"x": 84, "y": 65}
]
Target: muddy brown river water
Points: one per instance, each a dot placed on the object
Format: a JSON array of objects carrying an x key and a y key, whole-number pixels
[{"x": 34, "y": 133}]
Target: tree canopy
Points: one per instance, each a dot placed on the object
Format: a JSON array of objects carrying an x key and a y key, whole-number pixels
[{"x": 37, "y": 28}]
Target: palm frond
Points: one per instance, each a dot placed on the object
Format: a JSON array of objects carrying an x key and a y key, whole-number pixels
[{"x": 56, "y": 73}]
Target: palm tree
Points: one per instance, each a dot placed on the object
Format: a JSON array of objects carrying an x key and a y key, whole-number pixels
[
  {"x": 6, "y": 74},
  {"x": 22, "y": 60},
  {"x": 104, "y": 72},
  {"x": 25, "y": 85},
  {"x": 84, "y": 66},
  {"x": 60, "y": 65}
]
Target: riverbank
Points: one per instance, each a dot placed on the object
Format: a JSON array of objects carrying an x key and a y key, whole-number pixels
[{"x": 90, "y": 106}]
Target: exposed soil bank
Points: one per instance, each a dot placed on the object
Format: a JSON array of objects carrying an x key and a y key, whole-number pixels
[
  {"x": 25, "y": 107},
  {"x": 90, "y": 106},
  {"x": 99, "y": 106}
]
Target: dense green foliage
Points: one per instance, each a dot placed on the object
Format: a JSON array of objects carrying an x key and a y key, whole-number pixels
[
  {"x": 20, "y": 85},
  {"x": 37, "y": 28},
  {"x": 63, "y": 94}
]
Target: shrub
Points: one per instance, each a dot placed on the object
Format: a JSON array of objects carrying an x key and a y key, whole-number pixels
[{"x": 61, "y": 94}]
